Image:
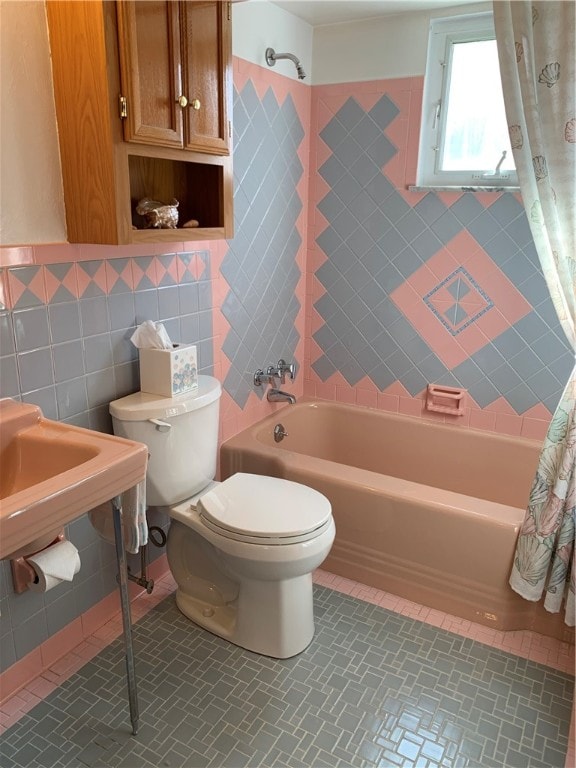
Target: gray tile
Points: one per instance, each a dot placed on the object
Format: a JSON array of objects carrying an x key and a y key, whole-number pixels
[
  {"x": 332, "y": 170},
  {"x": 519, "y": 231},
  {"x": 100, "y": 388},
  {"x": 333, "y": 133},
  {"x": 348, "y": 151},
  {"x": 98, "y": 352},
  {"x": 168, "y": 302},
  {"x": 189, "y": 329},
  {"x": 426, "y": 244},
  {"x": 484, "y": 392},
  {"x": 9, "y": 378},
  {"x": 71, "y": 398},
  {"x": 35, "y": 369},
  {"x": 123, "y": 350},
  {"x": 350, "y": 114},
  {"x": 68, "y": 360},
  {"x": 521, "y": 398},
  {"x": 146, "y": 305},
  {"x": 323, "y": 368},
  {"x": 31, "y": 328},
  {"x": 360, "y": 242},
  {"x": 382, "y": 376},
  {"x": 94, "y": 314},
  {"x": 346, "y": 189},
  {"x": 467, "y": 208},
  {"x": 430, "y": 208},
  {"x": 410, "y": 225},
  {"x": 392, "y": 243},
  {"x": 506, "y": 209},
  {"x": 127, "y": 379},
  {"x": 121, "y": 311},
  {"x": 543, "y": 383},
  {"x": 384, "y": 111},
  {"x": 7, "y": 346},
  {"x": 407, "y": 262},
  {"x": 446, "y": 226},
  {"x": 64, "y": 319}
]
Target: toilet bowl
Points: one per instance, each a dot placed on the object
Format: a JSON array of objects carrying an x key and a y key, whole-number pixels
[
  {"x": 241, "y": 551},
  {"x": 243, "y": 557}
]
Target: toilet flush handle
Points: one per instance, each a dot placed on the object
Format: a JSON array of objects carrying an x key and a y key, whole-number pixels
[{"x": 161, "y": 426}]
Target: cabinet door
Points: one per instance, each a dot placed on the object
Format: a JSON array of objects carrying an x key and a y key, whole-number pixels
[
  {"x": 207, "y": 68},
  {"x": 150, "y": 65}
]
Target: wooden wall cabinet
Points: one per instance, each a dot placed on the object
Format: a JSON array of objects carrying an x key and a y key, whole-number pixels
[
  {"x": 174, "y": 64},
  {"x": 120, "y": 70}
]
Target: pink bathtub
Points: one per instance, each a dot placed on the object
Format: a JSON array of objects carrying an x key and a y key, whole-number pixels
[{"x": 423, "y": 510}]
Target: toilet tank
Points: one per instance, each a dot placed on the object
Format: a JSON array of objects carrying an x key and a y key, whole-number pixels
[{"x": 182, "y": 438}]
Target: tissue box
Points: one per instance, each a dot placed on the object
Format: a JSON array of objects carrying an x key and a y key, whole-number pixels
[{"x": 169, "y": 372}]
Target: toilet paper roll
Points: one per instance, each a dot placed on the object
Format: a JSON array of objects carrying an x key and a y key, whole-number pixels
[{"x": 53, "y": 565}]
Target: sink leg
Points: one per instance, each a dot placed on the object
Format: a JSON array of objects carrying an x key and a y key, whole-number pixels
[{"x": 125, "y": 604}]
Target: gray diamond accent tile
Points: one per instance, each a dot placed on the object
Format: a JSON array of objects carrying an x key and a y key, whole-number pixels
[
  {"x": 350, "y": 114},
  {"x": 349, "y": 151},
  {"x": 384, "y": 111},
  {"x": 260, "y": 264},
  {"x": 333, "y": 133},
  {"x": 381, "y": 151},
  {"x": 430, "y": 208}
]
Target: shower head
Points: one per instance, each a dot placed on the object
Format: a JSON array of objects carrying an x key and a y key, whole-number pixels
[{"x": 272, "y": 57}]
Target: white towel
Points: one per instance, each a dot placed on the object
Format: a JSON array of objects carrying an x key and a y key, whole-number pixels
[{"x": 134, "y": 517}]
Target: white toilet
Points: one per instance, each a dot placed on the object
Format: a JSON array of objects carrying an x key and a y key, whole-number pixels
[{"x": 241, "y": 551}]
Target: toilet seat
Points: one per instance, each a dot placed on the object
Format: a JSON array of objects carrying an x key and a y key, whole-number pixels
[{"x": 264, "y": 510}]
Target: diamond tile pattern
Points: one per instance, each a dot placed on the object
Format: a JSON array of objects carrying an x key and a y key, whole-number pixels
[
  {"x": 379, "y": 247},
  {"x": 373, "y": 689},
  {"x": 260, "y": 265},
  {"x": 470, "y": 301}
]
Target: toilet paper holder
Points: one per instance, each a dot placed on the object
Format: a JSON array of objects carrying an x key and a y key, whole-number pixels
[{"x": 22, "y": 572}]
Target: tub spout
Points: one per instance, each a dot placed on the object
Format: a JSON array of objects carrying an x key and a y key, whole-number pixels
[{"x": 278, "y": 396}]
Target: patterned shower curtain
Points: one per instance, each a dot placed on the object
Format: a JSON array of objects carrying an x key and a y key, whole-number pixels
[{"x": 537, "y": 52}]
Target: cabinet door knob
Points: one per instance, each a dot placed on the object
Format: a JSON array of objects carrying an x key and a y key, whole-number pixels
[
  {"x": 195, "y": 104},
  {"x": 183, "y": 101}
]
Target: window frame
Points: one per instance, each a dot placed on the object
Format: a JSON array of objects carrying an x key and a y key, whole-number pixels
[{"x": 443, "y": 33}]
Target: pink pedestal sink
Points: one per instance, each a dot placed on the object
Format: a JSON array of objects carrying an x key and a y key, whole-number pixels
[{"x": 52, "y": 473}]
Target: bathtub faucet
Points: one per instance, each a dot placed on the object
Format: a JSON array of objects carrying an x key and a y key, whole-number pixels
[
  {"x": 277, "y": 396},
  {"x": 274, "y": 372}
]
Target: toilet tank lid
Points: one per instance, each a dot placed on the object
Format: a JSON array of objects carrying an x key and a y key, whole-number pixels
[{"x": 142, "y": 406}]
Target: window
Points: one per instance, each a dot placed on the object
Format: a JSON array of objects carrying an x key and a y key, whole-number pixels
[{"x": 464, "y": 138}]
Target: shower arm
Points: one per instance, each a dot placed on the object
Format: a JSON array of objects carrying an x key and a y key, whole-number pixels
[{"x": 272, "y": 57}]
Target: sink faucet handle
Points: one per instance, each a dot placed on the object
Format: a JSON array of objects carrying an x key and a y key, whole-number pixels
[{"x": 286, "y": 368}]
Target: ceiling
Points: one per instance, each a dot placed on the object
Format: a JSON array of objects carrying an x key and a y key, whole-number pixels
[{"x": 318, "y": 12}]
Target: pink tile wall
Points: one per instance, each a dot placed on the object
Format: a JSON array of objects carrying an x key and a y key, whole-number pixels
[
  {"x": 463, "y": 249},
  {"x": 316, "y": 106}
]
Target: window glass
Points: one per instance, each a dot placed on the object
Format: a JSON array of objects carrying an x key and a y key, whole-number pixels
[{"x": 464, "y": 136}]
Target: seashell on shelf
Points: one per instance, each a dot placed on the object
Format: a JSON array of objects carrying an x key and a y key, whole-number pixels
[
  {"x": 550, "y": 74},
  {"x": 570, "y": 131},
  {"x": 158, "y": 215}
]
